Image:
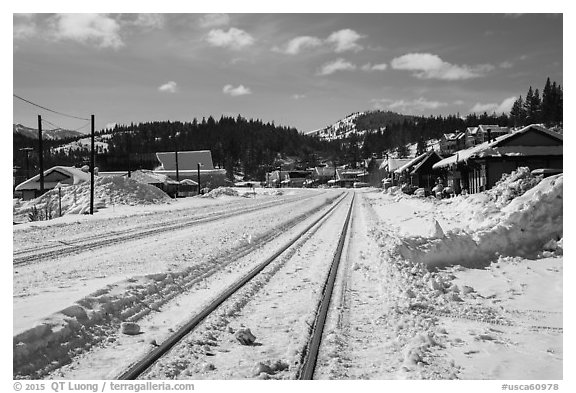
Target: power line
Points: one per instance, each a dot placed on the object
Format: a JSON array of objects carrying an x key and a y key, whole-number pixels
[
  {"x": 62, "y": 128},
  {"x": 50, "y": 110}
]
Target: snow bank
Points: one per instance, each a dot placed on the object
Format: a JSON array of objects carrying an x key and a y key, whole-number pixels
[
  {"x": 114, "y": 190},
  {"x": 221, "y": 191},
  {"x": 520, "y": 228},
  {"x": 95, "y": 318}
]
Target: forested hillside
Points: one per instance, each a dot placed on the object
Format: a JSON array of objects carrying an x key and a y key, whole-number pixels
[{"x": 253, "y": 147}]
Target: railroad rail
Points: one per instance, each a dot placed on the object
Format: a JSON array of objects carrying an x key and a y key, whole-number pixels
[
  {"x": 26, "y": 256},
  {"x": 141, "y": 366},
  {"x": 310, "y": 355}
]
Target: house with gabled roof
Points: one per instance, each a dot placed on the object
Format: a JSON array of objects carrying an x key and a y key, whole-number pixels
[
  {"x": 347, "y": 177},
  {"x": 68, "y": 175},
  {"x": 191, "y": 165},
  {"x": 419, "y": 172},
  {"x": 488, "y": 132},
  {"x": 479, "y": 168},
  {"x": 448, "y": 143},
  {"x": 322, "y": 174}
]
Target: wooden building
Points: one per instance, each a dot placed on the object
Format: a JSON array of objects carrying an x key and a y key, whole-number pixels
[
  {"x": 420, "y": 172},
  {"x": 480, "y": 167},
  {"x": 30, "y": 189}
]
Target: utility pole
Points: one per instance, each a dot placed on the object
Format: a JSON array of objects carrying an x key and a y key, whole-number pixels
[
  {"x": 198, "y": 178},
  {"x": 128, "y": 148},
  {"x": 92, "y": 168},
  {"x": 40, "y": 155},
  {"x": 176, "y": 156}
]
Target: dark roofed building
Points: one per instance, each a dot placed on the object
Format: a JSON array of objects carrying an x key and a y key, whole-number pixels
[
  {"x": 419, "y": 172},
  {"x": 480, "y": 167}
]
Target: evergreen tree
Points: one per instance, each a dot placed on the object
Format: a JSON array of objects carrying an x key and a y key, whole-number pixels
[
  {"x": 421, "y": 147},
  {"x": 547, "y": 108},
  {"x": 528, "y": 108}
]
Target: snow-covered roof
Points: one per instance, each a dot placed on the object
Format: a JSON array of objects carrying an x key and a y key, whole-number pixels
[
  {"x": 495, "y": 148},
  {"x": 347, "y": 174},
  {"x": 73, "y": 174},
  {"x": 429, "y": 155},
  {"x": 324, "y": 171},
  {"x": 394, "y": 163},
  {"x": 415, "y": 162},
  {"x": 150, "y": 177},
  {"x": 188, "y": 182},
  {"x": 187, "y": 160}
]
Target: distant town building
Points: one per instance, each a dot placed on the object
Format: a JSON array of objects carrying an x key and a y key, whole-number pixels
[
  {"x": 30, "y": 189},
  {"x": 187, "y": 167},
  {"x": 289, "y": 178}
]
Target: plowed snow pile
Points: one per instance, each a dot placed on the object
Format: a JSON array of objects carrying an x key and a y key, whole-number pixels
[
  {"x": 108, "y": 191},
  {"x": 482, "y": 297},
  {"x": 220, "y": 191},
  {"x": 516, "y": 218}
]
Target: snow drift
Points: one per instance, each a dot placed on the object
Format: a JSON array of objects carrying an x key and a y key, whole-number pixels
[
  {"x": 512, "y": 226},
  {"x": 108, "y": 191}
]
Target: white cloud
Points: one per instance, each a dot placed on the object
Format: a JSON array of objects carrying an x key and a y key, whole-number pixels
[
  {"x": 236, "y": 91},
  {"x": 169, "y": 87},
  {"x": 504, "y": 107},
  {"x": 295, "y": 45},
  {"x": 374, "y": 67},
  {"x": 298, "y": 96},
  {"x": 419, "y": 105},
  {"x": 214, "y": 20},
  {"x": 88, "y": 28},
  {"x": 429, "y": 66},
  {"x": 345, "y": 40},
  {"x": 506, "y": 64},
  {"x": 336, "y": 65},
  {"x": 339, "y": 41},
  {"x": 110, "y": 126},
  {"x": 233, "y": 38},
  {"x": 24, "y": 26},
  {"x": 154, "y": 21}
]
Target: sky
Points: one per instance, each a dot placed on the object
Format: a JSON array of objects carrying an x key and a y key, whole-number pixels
[{"x": 300, "y": 70}]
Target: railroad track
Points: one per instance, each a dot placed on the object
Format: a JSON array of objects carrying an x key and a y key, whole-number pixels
[
  {"x": 311, "y": 349},
  {"x": 29, "y": 255}
]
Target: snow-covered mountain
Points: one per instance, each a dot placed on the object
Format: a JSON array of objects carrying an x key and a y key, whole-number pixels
[
  {"x": 339, "y": 130},
  {"x": 57, "y": 133}
]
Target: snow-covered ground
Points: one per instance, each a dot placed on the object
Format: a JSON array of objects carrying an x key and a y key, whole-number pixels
[
  {"x": 463, "y": 288},
  {"x": 100, "y": 144}
]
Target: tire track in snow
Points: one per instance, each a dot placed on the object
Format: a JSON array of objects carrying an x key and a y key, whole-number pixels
[{"x": 27, "y": 256}]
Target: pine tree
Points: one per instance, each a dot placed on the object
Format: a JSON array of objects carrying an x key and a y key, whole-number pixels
[
  {"x": 547, "y": 107},
  {"x": 421, "y": 147},
  {"x": 528, "y": 106},
  {"x": 517, "y": 113},
  {"x": 536, "y": 107}
]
